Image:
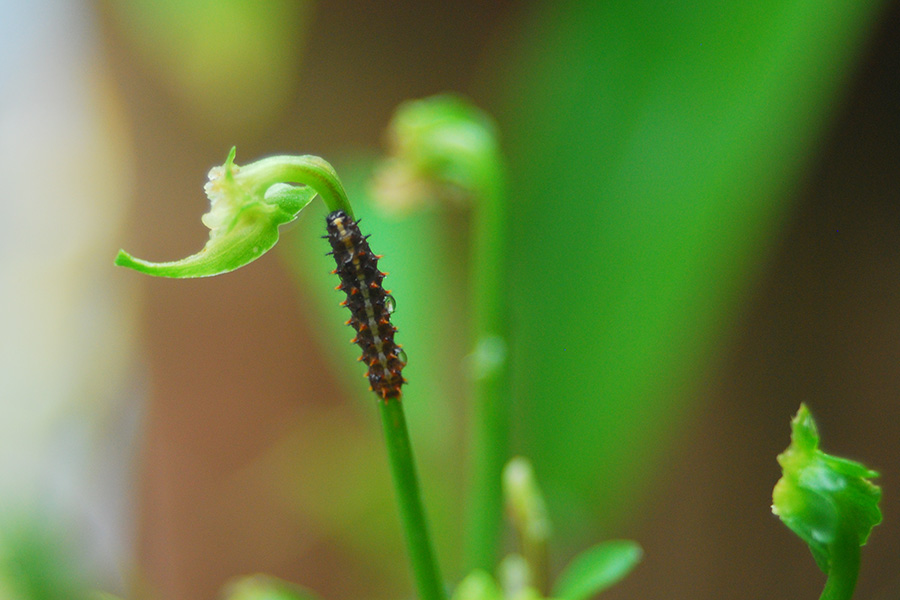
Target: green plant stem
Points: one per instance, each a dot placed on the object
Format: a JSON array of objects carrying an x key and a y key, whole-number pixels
[
  {"x": 406, "y": 484},
  {"x": 307, "y": 170},
  {"x": 844, "y": 568},
  {"x": 490, "y": 410}
]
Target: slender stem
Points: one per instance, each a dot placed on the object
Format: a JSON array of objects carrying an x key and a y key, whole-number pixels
[
  {"x": 403, "y": 469},
  {"x": 307, "y": 170},
  {"x": 844, "y": 568},
  {"x": 490, "y": 409}
]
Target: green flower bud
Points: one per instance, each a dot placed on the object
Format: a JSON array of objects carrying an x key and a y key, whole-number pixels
[
  {"x": 828, "y": 501},
  {"x": 442, "y": 149}
]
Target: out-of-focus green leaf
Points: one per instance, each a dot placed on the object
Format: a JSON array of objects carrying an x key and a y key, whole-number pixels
[
  {"x": 525, "y": 502},
  {"x": 827, "y": 501},
  {"x": 264, "y": 587},
  {"x": 527, "y": 512},
  {"x": 478, "y": 585},
  {"x": 652, "y": 149},
  {"x": 36, "y": 564},
  {"x": 597, "y": 569},
  {"x": 232, "y": 63},
  {"x": 442, "y": 148},
  {"x": 515, "y": 575}
]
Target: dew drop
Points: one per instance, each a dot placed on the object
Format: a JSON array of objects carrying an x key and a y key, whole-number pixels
[
  {"x": 389, "y": 304},
  {"x": 401, "y": 356}
]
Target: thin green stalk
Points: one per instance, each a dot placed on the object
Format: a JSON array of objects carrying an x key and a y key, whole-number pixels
[
  {"x": 307, "y": 170},
  {"x": 403, "y": 469},
  {"x": 490, "y": 409},
  {"x": 844, "y": 568}
]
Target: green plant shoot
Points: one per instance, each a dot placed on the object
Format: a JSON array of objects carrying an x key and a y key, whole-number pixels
[
  {"x": 829, "y": 502},
  {"x": 247, "y": 205}
]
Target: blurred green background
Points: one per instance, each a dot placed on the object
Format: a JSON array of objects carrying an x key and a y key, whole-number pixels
[{"x": 704, "y": 233}]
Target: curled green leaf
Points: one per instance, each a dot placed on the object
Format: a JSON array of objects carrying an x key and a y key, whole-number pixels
[
  {"x": 828, "y": 502},
  {"x": 247, "y": 206}
]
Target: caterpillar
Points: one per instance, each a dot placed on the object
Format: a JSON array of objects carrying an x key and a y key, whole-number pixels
[{"x": 369, "y": 303}]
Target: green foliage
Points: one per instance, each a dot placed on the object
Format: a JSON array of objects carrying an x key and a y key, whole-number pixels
[
  {"x": 596, "y": 569},
  {"x": 264, "y": 587},
  {"x": 523, "y": 575},
  {"x": 478, "y": 585},
  {"x": 247, "y": 205},
  {"x": 230, "y": 62},
  {"x": 672, "y": 134},
  {"x": 35, "y": 565},
  {"x": 828, "y": 502},
  {"x": 442, "y": 149}
]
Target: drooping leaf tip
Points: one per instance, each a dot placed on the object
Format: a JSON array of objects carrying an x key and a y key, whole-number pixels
[{"x": 122, "y": 258}]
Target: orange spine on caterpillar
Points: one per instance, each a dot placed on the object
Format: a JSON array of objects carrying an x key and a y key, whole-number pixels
[{"x": 369, "y": 303}]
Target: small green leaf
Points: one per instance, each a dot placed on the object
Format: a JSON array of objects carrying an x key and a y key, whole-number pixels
[
  {"x": 478, "y": 585},
  {"x": 264, "y": 587},
  {"x": 246, "y": 209},
  {"x": 826, "y": 500},
  {"x": 597, "y": 569}
]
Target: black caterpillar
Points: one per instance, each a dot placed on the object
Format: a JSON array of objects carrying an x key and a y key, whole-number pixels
[{"x": 369, "y": 303}]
